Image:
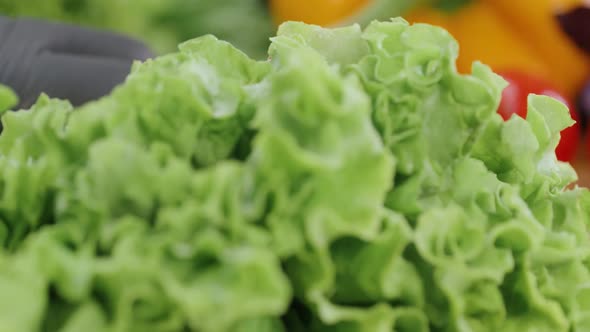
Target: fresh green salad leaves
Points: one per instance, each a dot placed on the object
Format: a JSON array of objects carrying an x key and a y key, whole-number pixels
[{"x": 352, "y": 182}]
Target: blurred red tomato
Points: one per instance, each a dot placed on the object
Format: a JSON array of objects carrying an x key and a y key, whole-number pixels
[{"x": 514, "y": 101}]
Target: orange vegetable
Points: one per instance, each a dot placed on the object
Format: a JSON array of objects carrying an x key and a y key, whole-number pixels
[
  {"x": 484, "y": 36},
  {"x": 560, "y": 6},
  {"x": 320, "y": 12}
]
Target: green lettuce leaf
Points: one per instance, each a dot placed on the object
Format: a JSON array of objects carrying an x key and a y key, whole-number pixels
[{"x": 8, "y": 98}]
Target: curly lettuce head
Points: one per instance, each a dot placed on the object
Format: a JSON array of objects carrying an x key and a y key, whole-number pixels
[{"x": 353, "y": 182}]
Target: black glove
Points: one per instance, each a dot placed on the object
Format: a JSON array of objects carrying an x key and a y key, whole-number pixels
[{"x": 63, "y": 61}]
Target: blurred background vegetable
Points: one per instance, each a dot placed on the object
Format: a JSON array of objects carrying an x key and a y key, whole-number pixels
[
  {"x": 321, "y": 12},
  {"x": 162, "y": 24},
  {"x": 339, "y": 12},
  {"x": 576, "y": 23}
]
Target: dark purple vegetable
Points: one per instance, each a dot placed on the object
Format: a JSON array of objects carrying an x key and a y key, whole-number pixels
[
  {"x": 576, "y": 23},
  {"x": 584, "y": 105}
]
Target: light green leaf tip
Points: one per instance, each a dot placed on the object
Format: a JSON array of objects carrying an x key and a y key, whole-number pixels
[{"x": 8, "y": 98}]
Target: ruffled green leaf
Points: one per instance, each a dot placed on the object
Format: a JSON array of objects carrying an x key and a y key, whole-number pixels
[
  {"x": 8, "y": 98},
  {"x": 339, "y": 45}
]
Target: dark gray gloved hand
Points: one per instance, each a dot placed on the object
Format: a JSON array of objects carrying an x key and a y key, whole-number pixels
[{"x": 63, "y": 61}]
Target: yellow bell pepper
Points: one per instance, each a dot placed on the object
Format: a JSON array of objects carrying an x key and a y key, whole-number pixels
[
  {"x": 484, "y": 36},
  {"x": 560, "y": 6},
  {"x": 320, "y": 12}
]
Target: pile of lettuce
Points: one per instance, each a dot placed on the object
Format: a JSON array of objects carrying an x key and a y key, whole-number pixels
[{"x": 352, "y": 182}]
